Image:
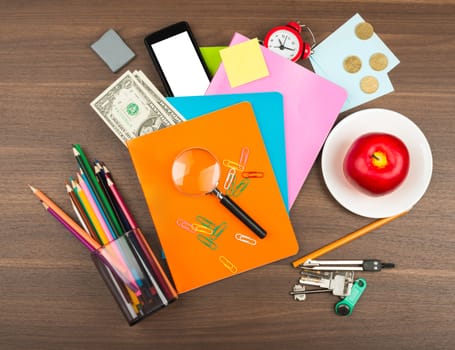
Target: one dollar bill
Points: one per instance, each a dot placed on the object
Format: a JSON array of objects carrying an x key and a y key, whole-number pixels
[{"x": 129, "y": 110}]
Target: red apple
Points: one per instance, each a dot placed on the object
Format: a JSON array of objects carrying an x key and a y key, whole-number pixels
[{"x": 377, "y": 162}]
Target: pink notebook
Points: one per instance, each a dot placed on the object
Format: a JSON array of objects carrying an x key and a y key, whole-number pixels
[{"x": 311, "y": 105}]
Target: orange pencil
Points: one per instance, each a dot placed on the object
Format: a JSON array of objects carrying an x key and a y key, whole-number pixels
[
  {"x": 68, "y": 220},
  {"x": 346, "y": 239}
]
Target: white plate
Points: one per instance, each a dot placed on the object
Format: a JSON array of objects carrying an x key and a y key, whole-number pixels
[{"x": 377, "y": 120}]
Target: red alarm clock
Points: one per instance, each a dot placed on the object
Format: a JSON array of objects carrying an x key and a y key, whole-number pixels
[{"x": 287, "y": 41}]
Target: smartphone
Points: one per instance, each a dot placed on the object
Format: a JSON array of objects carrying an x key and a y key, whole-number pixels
[{"x": 176, "y": 56}]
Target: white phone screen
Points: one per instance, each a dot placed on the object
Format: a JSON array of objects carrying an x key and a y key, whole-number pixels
[{"x": 181, "y": 65}]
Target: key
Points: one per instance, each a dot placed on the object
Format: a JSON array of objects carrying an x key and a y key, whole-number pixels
[
  {"x": 299, "y": 292},
  {"x": 338, "y": 282},
  {"x": 348, "y": 265}
]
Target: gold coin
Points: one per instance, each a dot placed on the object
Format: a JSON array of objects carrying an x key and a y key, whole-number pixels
[
  {"x": 378, "y": 61},
  {"x": 352, "y": 64},
  {"x": 369, "y": 84},
  {"x": 364, "y": 30}
]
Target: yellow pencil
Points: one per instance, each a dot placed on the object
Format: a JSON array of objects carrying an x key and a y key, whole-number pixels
[
  {"x": 90, "y": 213},
  {"x": 346, "y": 239}
]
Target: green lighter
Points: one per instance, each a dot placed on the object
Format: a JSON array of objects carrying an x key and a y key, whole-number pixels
[{"x": 344, "y": 307}]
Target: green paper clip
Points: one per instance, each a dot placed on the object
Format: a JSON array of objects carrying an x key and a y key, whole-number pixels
[
  {"x": 218, "y": 230},
  {"x": 205, "y": 222},
  {"x": 346, "y": 306},
  {"x": 237, "y": 190},
  {"x": 207, "y": 241}
]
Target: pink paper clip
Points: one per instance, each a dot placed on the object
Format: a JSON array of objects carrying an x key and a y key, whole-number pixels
[
  {"x": 245, "y": 153},
  {"x": 185, "y": 225}
]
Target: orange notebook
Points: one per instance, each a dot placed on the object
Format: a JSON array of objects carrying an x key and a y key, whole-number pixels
[{"x": 202, "y": 241}]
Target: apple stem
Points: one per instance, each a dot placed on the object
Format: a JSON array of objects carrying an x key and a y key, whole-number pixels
[{"x": 375, "y": 156}]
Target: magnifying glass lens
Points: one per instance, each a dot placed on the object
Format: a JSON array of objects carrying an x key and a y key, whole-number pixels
[{"x": 195, "y": 171}]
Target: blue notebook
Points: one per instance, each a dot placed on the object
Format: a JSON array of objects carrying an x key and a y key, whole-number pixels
[{"x": 268, "y": 109}]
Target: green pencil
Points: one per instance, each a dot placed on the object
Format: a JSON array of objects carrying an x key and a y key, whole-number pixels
[{"x": 97, "y": 190}]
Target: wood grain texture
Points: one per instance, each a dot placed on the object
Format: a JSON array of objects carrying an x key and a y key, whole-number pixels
[{"x": 51, "y": 296}]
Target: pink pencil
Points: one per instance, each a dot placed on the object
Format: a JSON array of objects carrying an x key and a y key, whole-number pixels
[{"x": 120, "y": 202}]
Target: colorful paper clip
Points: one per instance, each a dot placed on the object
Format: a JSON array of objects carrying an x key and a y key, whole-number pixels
[
  {"x": 218, "y": 230},
  {"x": 245, "y": 153},
  {"x": 207, "y": 241},
  {"x": 185, "y": 225},
  {"x": 253, "y": 174},
  {"x": 233, "y": 165},
  {"x": 245, "y": 239},
  {"x": 237, "y": 190},
  {"x": 227, "y": 264},
  {"x": 202, "y": 229},
  {"x": 230, "y": 178},
  {"x": 205, "y": 222}
]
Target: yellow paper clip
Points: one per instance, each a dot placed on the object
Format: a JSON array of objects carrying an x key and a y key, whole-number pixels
[
  {"x": 201, "y": 229},
  {"x": 245, "y": 239},
  {"x": 245, "y": 153},
  {"x": 227, "y": 264},
  {"x": 235, "y": 192},
  {"x": 218, "y": 230},
  {"x": 206, "y": 222},
  {"x": 233, "y": 165},
  {"x": 230, "y": 178},
  {"x": 207, "y": 241},
  {"x": 253, "y": 174},
  {"x": 185, "y": 225}
]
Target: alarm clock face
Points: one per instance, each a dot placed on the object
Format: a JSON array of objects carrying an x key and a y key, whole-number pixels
[{"x": 285, "y": 43}]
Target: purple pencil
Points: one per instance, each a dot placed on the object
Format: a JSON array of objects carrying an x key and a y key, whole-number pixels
[{"x": 68, "y": 227}]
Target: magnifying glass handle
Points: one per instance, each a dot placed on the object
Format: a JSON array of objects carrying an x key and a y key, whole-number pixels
[{"x": 240, "y": 214}]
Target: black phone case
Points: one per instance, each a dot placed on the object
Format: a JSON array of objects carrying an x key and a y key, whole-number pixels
[{"x": 163, "y": 34}]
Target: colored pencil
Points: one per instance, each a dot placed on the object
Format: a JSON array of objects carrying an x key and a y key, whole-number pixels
[
  {"x": 88, "y": 209},
  {"x": 107, "y": 234},
  {"x": 80, "y": 212},
  {"x": 68, "y": 227},
  {"x": 119, "y": 199},
  {"x": 99, "y": 173},
  {"x": 70, "y": 223},
  {"x": 98, "y": 192},
  {"x": 346, "y": 239}
]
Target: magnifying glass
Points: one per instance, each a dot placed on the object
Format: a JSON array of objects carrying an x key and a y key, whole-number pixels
[{"x": 196, "y": 172}]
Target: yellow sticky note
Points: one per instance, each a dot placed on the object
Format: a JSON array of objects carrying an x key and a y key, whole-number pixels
[{"x": 244, "y": 62}]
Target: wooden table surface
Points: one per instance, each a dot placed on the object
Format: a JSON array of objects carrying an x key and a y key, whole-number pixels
[{"x": 51, "y": 295}]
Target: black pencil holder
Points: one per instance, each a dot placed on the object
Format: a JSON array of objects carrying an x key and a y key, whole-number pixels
[{"x": 134, "y": 276}]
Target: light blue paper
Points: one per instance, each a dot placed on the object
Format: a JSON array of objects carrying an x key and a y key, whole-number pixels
[
  {"x": 327, "y": 60},
  {"x": 268, "y": 109}
]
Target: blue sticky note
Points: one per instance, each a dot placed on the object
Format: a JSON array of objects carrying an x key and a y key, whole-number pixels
[
  {"x": 268, "y": 109},
  {"x": 328, "y": 58}
]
